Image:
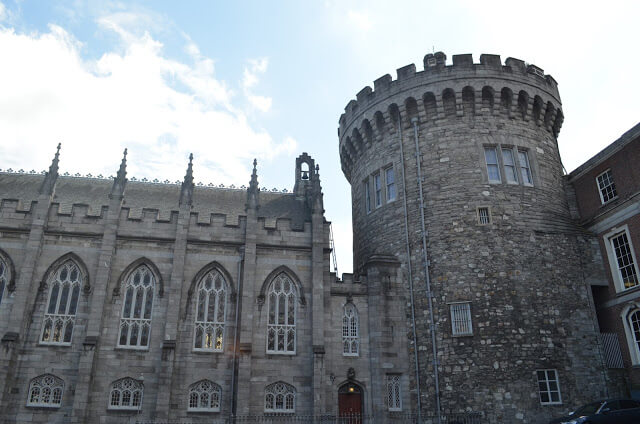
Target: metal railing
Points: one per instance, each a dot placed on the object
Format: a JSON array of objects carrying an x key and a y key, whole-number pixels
[
  {"x": 392, "y": 418},
  {"x": 612, "y": 352}
]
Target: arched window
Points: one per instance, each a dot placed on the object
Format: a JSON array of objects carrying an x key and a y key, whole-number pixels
[
  {"x": 210, "y": 313},
  {"x": 204, "y": 396},
  {"x": 60, "y": 315},
  {"x": 280, "y": 397},
  {"x": 4, "y": 277},
  {"x": 135, "y": 324},
  {"x": 46, "y": 391},
  {"x": 634, "y": 324},
  {"x": 350, "y": 330},
  {"x": 126, "y": 393},
  {"x": 281, "y": 331}
]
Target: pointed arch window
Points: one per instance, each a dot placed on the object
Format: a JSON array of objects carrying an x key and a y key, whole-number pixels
[
  {"x": 281, "y": 329},
  {"x": 46, "y": 391},
  {"x": 126, "y": 393},
  {"x": 60, "y": 315},
  {"x": 204, "y": 396},
  {"x": 135, "y": 324},
  {"x": 4, "y": 277},
  {"x": 350, "y": 331},
  {"x": 280, "y": 397},
  {"x": 210, "y": 313}
]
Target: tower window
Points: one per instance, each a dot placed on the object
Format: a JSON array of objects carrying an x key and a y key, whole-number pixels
[
  {"x": 390, "y": 179},
  {"x": 461, "y": 319},
  {"x": 509, "y": 166},
  {"x": 548, "y": 387},
  {"x": 525, "y": 168},
  {"x": 367, "y": 196},
  {"x": 493, "y": 170},
  {"x": 377, "y": 186},
  {"x": 394, "y": 397},
  {"x": 606, "y": 187}
]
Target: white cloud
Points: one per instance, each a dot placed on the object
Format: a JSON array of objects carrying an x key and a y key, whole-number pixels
[
  {"x": 136, "y": 97},
  {"x": 250, "y": 80},
  {"x": 361, "y": 20}
]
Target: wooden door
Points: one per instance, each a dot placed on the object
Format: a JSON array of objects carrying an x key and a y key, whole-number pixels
[{"x": 350, "y": 404}]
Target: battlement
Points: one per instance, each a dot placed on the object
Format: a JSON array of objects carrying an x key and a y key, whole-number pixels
[
  {"x": 463, "y": 90},
  {"x": 436, "y": 70}
]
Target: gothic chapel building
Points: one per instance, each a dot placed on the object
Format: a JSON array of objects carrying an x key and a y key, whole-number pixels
[{"x": 128, "y": 300}]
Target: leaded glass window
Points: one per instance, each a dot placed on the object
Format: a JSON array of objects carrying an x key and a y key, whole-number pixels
[
  {"x": 135, "y": 324},
  {"x": 204, "y": 396},
  {"x": 280, "y": 397},
  {"x": 281, "y": 328},
  {"x": 350, "y": 330},
  {"x": 4, "y": 277},
  {"x": 210, "y": 313},
  {"x": 394, "y": 397},
  {"x": 45, "y": 391},
  {"x": 126, "y": 393},
  {"x": 60, "y": 315}
]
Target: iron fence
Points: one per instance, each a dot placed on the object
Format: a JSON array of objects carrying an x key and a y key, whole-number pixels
[{"x": 392, "y": 418}]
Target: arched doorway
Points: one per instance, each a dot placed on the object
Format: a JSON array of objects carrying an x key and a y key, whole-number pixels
[{"x": 350, "y": 403}]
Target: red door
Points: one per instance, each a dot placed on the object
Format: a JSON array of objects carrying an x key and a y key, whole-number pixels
[{"x": 350, "y": 404}]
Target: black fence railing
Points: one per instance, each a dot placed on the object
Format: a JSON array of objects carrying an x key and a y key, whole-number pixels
[{"x": 392, "y": 418}]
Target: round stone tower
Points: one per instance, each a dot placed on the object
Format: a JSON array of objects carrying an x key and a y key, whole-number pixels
[{"x": 481, "y": 227}]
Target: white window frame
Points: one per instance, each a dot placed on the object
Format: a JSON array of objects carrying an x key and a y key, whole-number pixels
[
  {"x": 211, "y": 389},
  {"x": 131, "y": 320},
  {"x": 377, "y": 189},
  {"x": 390, "y": 187},
  {"x": 633, "y": 337},
  {"x": 212, "y": 328},
  {"x": 497, "y": 164},
  {"x": 67, "y": 316},
  {"x": 525, "y": 168},
  {"x": 49, "y": 382},
  {"x": 611, "y": 184},
  {"x": 290, "y": 301},
  {"x": 509, "y": 168},
  {"x": 367, "y": 196},
  {"x": 613, "y": 259},
  {"x": 350, "y": 331},
  {"x": 132, "y": 386},
  {"x": 275, "y": 390},
  {"x": 394, "y": 392},
  {"x": 461, "y": 321},
  {"x": 546, "y": 380}
]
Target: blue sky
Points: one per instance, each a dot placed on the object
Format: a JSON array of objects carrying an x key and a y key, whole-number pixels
[{"x": 230, "y": 81}]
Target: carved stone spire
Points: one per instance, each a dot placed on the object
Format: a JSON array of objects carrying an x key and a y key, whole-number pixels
[
  {"x": 121, "y": 178},
  {"x": 253, "y": 191},
  {"x": 51, "y": 177},
  {"x": 186, "y": 192}
]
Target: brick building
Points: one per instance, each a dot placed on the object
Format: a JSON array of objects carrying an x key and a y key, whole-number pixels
[{"x": 607, "y": 198}]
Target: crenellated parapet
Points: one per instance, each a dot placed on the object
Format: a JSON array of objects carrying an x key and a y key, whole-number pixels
[{"x": 463, "y": 90}]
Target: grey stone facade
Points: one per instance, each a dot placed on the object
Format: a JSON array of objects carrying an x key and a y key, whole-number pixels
[
  {"x": 522, "y": 274},
  {"x": 179, "y": 233}
]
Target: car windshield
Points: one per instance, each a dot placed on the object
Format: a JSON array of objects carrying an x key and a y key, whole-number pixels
[{"x": 589, "y": 409}]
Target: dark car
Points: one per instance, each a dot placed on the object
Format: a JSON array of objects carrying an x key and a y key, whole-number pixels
[{"x": 614, "y": 411}]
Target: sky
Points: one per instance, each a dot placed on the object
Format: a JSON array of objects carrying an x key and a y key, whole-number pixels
[{"x": 233, "y": 81}]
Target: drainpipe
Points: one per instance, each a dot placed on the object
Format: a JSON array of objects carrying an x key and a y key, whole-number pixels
[
  {"x": 425, "y": 259},
  {"x": 413, "y": 309},
  {"x": 232, "y": 410}
]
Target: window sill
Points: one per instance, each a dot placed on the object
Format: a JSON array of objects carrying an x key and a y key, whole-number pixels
[
  {"x": 494, "y": 182},
  {"x": 272, "y": 413},
  {"x": 457, "y": 336},
  {"x": 608, "y": 202},
  {"x": 203, "y": 411},
  {"x": 551, "y": 403},
  {"x": 123, "y": 409},
  {"x": 206, "y": 351},
  {"x": 132, "y": 348},
  {"x": 626, "y": 291},
  {"x": 44, "y": 407},
  {"x": 351, "y": 355},
  {"x": 54, "y": 344},
  {"x": 281, "y": 353}
]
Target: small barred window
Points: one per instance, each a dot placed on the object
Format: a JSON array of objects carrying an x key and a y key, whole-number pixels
[
  {"x": 135, "y": 324},
  {"x": 60, "y": 315},
  {"x": 350, "y": 338},
  {"x": 606, "y": 186},
  {"x": 484, "y": 217},
  {"x": 548, "y": 387},
  {"x": 46, "y": 391},
  {"x": 204, "y": 396},
  {"x": 281, "y": 329},
  {"x": 211, "y": 313},
  {"x": 461, "y": 319},
  {"x": 394, "y": 397},
  {"x": 280, "y": 397},
  {"x": 126, "y": 393}
]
